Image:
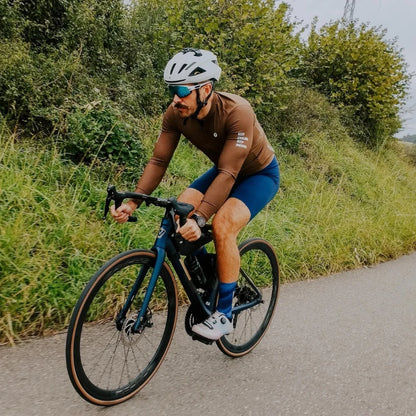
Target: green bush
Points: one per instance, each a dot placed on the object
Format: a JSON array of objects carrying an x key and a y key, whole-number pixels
[
  {"x": 101, "y": 51},
  {"x": 36, "y": 89},
  {"x": 139, "y": 88},
  {"x": 43, "y": 22},
  {"x": 307, "y": 113},
  {"x": 362, "y": 73},
  {"x": 11, "y": 24},
  {"x": 97, "y": 132},
  {"x": 56, "y": 60},
  {"x": 95, "y": 28},
  {"x": 256, "y": 44},
  {"x": 16, "y": 78}
]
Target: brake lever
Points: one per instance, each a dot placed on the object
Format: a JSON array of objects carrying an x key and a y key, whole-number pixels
[{"x": 112, "y": 196}]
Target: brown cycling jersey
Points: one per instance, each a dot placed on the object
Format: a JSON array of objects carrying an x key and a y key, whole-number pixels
[{"x": 229, "y": 135}]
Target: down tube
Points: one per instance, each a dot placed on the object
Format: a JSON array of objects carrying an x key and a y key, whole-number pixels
[
  {"x": 160, "y": 248},
  {"x": 187, "y": 284}
]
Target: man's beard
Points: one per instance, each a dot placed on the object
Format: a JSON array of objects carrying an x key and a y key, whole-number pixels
[{"x": 182, "y": 115}]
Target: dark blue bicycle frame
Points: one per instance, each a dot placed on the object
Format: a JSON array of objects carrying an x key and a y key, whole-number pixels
[{"x": 165, "y": 247}]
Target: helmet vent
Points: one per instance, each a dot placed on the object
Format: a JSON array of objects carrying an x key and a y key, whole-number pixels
[
  {"x": 196, "y": 52},
  {"x": 173, "y": 67},
  {"x": 197, "y": 71},
  {"x": 182, "y": 68}
]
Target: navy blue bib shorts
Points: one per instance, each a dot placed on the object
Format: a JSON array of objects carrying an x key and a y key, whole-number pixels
[{"x": 255, "y": 191}]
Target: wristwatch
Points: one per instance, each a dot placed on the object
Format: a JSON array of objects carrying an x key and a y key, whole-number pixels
[{"x": 199, "y": 220}]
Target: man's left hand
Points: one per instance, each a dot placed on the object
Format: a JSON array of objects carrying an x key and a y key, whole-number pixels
[{"x": 190, "y": 231}]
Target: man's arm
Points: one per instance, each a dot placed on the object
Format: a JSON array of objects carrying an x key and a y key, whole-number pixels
[
  {"x": 158, "y": 163},
  {"x": 154, "y": 170},
  {"x": 236, "y": 148}
]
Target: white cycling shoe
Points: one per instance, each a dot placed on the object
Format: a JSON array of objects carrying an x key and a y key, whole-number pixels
[{"x": 214, "y": 327}]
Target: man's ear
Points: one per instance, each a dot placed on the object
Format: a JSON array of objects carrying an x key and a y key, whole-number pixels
[{"x": 207, "y": 88}]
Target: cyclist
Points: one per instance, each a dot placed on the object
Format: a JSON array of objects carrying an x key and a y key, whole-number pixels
[{"x": 244, "y": 178}]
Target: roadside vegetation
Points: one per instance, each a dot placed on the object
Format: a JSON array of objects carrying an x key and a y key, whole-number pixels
[{"x": 81, "y": 99}]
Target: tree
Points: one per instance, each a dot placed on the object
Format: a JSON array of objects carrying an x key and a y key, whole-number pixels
[
  {"x": 254, "y": 40},
  {"x": 44, "y": 22},
  {"x": 362, "y": 73}
]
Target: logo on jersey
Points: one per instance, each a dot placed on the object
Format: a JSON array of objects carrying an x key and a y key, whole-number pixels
[{"x": 241, "y": 140}]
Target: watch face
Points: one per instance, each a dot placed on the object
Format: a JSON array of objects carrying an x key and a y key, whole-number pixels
[{"x": 199, "y": 220}]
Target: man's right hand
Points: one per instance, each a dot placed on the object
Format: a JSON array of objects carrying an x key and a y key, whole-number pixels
[{"x": 122, "y": 213}]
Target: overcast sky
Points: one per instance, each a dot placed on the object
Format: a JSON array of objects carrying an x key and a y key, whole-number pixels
[{"x": 397, "y": 16}]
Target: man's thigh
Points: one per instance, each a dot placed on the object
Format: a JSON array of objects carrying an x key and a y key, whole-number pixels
[{"x": 255, "y": 192}]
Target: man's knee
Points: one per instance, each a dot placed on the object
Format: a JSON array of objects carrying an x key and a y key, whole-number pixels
[
  {"x": 222, "y": 224},
  {"x": 230, "y": 219},
  {"x": 191, "y": 196}
]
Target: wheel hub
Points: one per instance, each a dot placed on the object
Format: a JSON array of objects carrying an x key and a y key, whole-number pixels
[{"x": 130, "y": 337}]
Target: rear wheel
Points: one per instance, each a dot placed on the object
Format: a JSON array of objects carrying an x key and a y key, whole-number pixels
[
  {"x": 258, "y": 283},
  {"x": 107, "y": 361}
]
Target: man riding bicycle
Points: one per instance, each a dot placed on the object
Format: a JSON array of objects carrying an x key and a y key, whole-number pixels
[{"x": 243, "y": 180}]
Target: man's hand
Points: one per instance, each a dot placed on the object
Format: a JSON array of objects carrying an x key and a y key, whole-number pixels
[
  {"x": 122, "y": 213},
  {"x": 190, "y": 231}
]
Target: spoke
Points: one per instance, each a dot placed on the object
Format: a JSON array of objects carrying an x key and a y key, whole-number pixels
[
  {"x": 125, "y": 365},
  {"x": 101, "y": 355},
  {"x": 250, "y": 282},
  {"x": 136, "y": 361},
  {"x": 112, "y": 358}
]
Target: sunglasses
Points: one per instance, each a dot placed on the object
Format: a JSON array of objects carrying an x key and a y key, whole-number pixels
[{"x": 183, "y": 91}]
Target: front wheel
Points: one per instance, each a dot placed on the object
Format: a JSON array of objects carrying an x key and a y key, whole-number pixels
[
  {"x": 258, "y": 285},
  {"x": 107, "y": 361}
]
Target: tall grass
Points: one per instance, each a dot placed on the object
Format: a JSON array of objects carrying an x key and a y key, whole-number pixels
[
  {"x": 51, "y": 237},
  {"x": 340, "y": 206}
]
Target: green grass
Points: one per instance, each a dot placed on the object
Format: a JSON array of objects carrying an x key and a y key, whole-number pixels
[{"x": 340, "y": 206}]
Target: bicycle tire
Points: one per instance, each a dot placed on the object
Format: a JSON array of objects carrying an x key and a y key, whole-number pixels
[
  {"x": 107, "y": 365},
  {"x": 258, "y": 263}
]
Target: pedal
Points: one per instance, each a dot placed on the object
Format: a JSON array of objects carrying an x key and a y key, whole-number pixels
[{"x": 206, "y": 341}]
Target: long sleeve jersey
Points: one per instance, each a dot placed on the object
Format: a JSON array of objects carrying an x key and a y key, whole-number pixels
[{"x": 229, "y": 135}]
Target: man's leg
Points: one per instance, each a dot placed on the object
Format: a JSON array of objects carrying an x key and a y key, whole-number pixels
[
  {"x": 227, "y": 223},
  {"x": 247, "y": 198}
]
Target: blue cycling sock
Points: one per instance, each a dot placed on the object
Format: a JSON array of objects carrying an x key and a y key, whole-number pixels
[{"x": 225, "y": 301}]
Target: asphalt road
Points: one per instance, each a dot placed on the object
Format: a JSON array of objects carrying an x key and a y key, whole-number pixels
[{"x": 343, "y": 345}]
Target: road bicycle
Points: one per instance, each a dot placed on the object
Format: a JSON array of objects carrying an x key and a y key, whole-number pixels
[{"x": 123, "y": 323}]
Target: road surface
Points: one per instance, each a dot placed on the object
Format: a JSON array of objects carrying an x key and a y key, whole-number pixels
[{"x": 343, "y": 345}]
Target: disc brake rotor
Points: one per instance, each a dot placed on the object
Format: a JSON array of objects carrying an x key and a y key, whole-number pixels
[{"x": 129, "y": 337}]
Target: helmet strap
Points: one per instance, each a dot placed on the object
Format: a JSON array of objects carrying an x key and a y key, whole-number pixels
[{"x": 201, "y": 104}]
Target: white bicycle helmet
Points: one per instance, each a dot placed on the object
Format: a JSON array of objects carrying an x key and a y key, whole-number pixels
[{"x": 192, "y": 66}]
